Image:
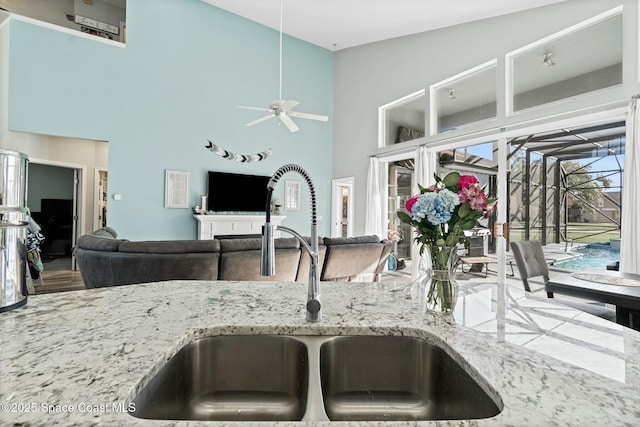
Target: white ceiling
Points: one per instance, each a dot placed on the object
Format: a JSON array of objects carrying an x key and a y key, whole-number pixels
[{"x": 340, "y": 24}]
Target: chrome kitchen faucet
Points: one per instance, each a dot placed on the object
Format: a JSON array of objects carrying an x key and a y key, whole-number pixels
[{"x": 267, "y": 259}]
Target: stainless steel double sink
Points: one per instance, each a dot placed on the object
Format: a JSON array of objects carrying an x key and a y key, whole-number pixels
[{"x": 314, "y": 378}]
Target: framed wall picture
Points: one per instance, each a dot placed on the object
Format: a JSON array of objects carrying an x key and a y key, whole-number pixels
[
  {"x": 292, "y": 195},
  {"x": 176, "y": 189}
]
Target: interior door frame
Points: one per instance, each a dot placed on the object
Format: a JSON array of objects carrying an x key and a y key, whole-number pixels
[
  {"x": 336, "y": 205},
  {"x": 79, "y": 202},
  {"x": 97, "y": 195}
]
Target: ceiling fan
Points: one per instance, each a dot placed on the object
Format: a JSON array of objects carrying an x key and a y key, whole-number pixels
[{"x": 282, "y": 108}]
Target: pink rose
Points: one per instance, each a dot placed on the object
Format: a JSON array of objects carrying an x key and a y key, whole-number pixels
[
  {"x": 409, "y": 204},
  {"x": 467, "y": 180}
]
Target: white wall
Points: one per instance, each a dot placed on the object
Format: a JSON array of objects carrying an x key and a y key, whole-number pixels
[{"x": 369, "y": 76}]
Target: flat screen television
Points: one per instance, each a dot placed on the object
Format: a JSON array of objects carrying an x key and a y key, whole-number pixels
[{"x": 232, "y": 192}]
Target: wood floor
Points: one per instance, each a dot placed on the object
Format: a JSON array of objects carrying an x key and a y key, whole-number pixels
[
  {"x": 60, "y": 281},
  {"x": 58, "y": 277}
]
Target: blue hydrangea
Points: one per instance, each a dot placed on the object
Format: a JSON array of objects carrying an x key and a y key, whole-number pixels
[{"x": 436, "y": 207}]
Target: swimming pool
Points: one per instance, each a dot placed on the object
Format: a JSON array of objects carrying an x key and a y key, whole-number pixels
[{"x": 592, "y": 256}]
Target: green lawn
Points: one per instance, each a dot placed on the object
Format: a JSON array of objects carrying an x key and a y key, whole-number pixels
[{"x": 584, "y": 232}]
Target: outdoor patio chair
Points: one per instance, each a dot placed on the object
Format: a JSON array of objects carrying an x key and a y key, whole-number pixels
[{"x": 531, "y": 263}]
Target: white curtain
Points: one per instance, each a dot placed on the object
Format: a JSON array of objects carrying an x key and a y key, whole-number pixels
[
  {"x": 375, "y": 220},
  {"x": 425, "y": 167},
  {"x": 630, "y": 231},
  {"x": 423, "y": 175}
]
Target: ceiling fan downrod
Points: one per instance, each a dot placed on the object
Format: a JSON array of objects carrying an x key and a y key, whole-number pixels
[{"x": 282, "y": 108}]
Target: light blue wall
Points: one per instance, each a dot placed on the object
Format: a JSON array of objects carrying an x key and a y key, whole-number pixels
[{"x": 185, "y": 68}]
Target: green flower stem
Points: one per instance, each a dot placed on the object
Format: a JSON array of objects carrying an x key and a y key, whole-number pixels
[{"x": 440, "y": 293}]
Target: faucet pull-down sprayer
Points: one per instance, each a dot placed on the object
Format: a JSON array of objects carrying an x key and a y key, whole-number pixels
[{"x": 267, "y": 260}]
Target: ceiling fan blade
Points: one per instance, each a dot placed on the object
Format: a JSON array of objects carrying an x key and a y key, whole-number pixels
[
  {"x": 287, "y": 105},
  {"x": 308, "y": 116},
  {"x": 253, "y": 108},
  {"x": 282, "y": 107},
  {"x": 289, "y": 123},
  {"x": 261, "y": 119}
]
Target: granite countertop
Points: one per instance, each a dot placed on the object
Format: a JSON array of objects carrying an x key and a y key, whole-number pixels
[{"x": 72, "y": 358}]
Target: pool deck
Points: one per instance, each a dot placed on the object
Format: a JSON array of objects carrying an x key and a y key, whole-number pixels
[{"x": 553, "y": 253}]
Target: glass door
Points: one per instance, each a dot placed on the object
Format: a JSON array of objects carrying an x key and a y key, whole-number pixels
[
  {"x": 479, "y": 160},
  {"x": 342, "y": 207},
  {"x": 401, "y": 175}
]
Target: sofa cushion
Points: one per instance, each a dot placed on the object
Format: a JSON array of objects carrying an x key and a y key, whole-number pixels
[
  {"x": 245, "y": 265},
  {"x": 170, "y": 246},
  {"x": 130, "y": 268},
  {"x": 105, "y": 232},
  {"x": 240, "y": 260},
  {"x": 235, "y": 245},
  {"x": 305, "y": 260},
  {"x": 97, "y": 243},
  {"x": 329, "y": 241},
  {"x": 345, "y": 261},
  {"x": 95, "y": 267}
]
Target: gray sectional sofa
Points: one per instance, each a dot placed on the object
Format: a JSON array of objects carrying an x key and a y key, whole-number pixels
[{"x": 104, "y": 260}]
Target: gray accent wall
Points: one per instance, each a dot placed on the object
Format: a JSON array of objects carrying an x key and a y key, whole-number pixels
[{"x": 372, "y": 75}]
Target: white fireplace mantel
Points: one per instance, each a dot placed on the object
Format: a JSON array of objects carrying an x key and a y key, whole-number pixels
[{"x": 210, "y": 226}]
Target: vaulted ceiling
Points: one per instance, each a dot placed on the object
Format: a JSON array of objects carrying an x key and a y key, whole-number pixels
[{"x": 340, "y": 24}]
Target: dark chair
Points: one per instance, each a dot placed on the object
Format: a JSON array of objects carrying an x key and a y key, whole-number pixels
[{"x": 531, "y": 263}]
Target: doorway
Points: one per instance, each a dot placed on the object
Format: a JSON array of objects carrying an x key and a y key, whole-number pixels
[
  {"x": 342, "y": 212},
  {"x": 401, "y": 178},
  {"x": 406, "y": 172},
  {"x": 53, "y": 199},
  {"x": 100, "y": 191}
]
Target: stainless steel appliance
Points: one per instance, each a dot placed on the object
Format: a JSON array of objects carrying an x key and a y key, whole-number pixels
[
  {"x": 476, "y": 240},
  {"x": 477, "y": 247},
  {"x": 13, "y": 229}
]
